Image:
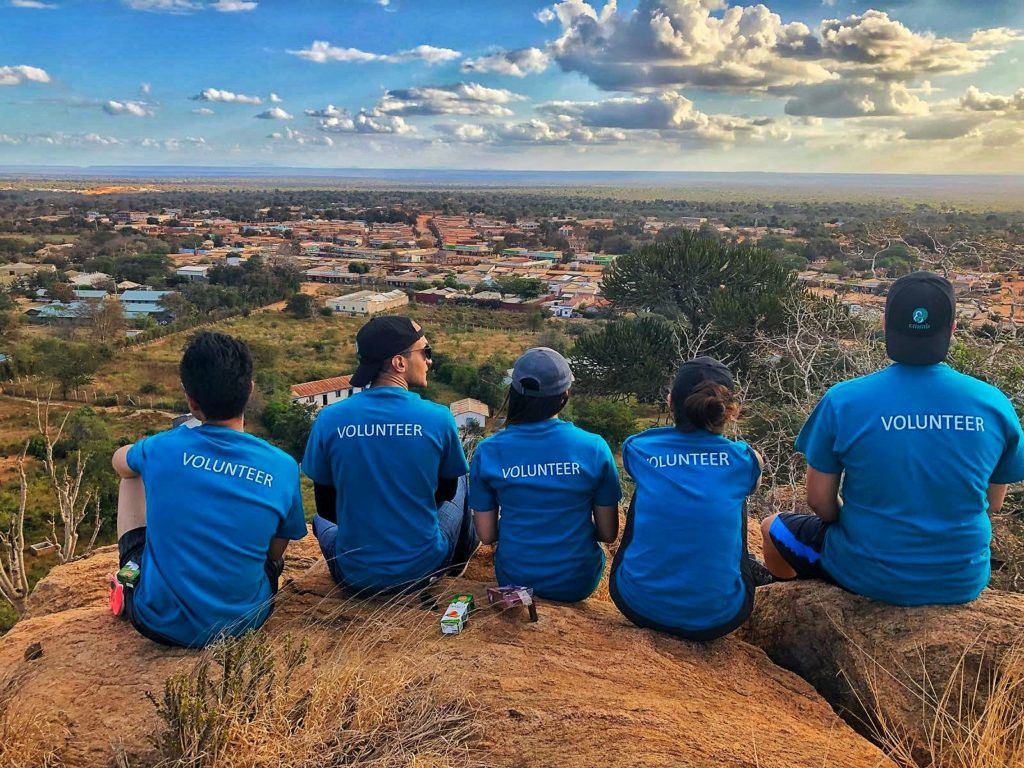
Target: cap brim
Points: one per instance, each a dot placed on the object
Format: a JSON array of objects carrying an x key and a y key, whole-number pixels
[
  {"x": 364, "y": 374},
  {"x": 917, "y": 350}
]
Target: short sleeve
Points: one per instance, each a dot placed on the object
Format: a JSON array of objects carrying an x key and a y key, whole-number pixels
[
  {"x": 1010, "y": 468},
  {"x": 293, "y": 526},
  {"x": 482, "y": 497},
  {"x": 817, "y": 439},
  {"x": 608, "y": 491},
  {"x": 137, "y": 456},
  {"x": 453, "y": 462},
  {"x": 315, "y": 461}
]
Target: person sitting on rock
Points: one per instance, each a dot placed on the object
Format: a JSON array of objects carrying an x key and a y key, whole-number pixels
[
  {"x": 550, "y": 489},
  {"x": 903, "y": 467},
  {"x": 389, "y": 471},
  {"x": 682, "y": 566},
  {"x": 206, "y": 512}
]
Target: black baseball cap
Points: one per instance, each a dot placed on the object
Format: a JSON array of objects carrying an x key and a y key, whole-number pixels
[
  {"x": 919, "y": 314},
  {"x": 694, "y": 373},
  {"x": 379, "y": 340},
  {"x": 541, "y": 372}
]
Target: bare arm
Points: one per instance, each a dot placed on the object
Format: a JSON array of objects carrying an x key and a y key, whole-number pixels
[
  {"x": 486, "y": 525},
  {"x": 760, "y": 463},
  {"x": 120, "y": 463},
  {"x": 606, "y": 520},
  {"x": 996, "y": 495},
  {"x": 823, "y": 494},
  {"x": 277, "y": 548}
]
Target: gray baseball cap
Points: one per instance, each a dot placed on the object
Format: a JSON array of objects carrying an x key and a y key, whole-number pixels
[{"x": 541, "y": 372}]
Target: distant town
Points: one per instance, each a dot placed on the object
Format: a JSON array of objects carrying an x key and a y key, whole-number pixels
[{"x": 552, "y": 265}]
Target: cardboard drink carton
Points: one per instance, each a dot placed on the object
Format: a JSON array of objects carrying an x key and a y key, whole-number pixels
[{"x": 455, "y": 616}]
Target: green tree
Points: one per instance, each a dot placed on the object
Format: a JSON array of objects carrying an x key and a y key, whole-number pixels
[
  {"x": 524, "y": 287},
  {"x": 701, "y": 282},
  {"x": 612, "y": 420},
  {"x": 288, "y": 425},
  {"x": 302, "y": 305},
  {"x": 630, "y": 356},
  {"x": 69, "y": 366}
]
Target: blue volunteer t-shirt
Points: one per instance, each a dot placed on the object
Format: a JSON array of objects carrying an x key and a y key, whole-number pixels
[
  {"x": 917, "y": 447},
  {"x": 679, "y": 563},
  {"x": 545, "y": 479},
  {"x": 383, "y": 450},
  {"x": 215, "y": 497}
]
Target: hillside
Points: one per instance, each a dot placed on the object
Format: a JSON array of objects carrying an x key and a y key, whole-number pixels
[{"x": 581, "y": 687}]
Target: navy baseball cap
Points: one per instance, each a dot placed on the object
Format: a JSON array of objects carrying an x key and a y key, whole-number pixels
[
  {"x": 919, "y": 314},
  {"x": 378, "y": 341},
  {"x": 700, "y": 370},
  {"x": 541, "y": 372}
]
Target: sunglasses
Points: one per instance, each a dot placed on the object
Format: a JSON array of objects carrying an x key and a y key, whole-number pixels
[{"x": 428, "y": 353}]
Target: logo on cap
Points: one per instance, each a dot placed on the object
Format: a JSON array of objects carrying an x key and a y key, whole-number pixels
[{"x": 920, "y": 315}]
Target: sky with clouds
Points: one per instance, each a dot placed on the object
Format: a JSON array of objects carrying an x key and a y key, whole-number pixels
[{"x": 931, "y": 86}]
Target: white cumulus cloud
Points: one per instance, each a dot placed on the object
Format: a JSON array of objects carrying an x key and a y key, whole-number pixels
[
  {"x": 519, "y": 62},
  {"x": 22, "y": 73},
  {"x": 226, "y": 97},
  {"x": 274, "y": 113},
  {"x": 291, "y": 136},
  {"x": 322, "y": 52},
  {"x": 36, "y": 4},
  {"x": 164, "y": 6},
  {"x": 133, "y": 108},
  {"x": 455, "y": 99},
  {"x": 976, "y": 100},
  {"x": 234, "y": 6},
  {"x": 668, "y": 44}
]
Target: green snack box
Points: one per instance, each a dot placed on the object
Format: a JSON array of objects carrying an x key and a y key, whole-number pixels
[{"x": 453, "y": 621}]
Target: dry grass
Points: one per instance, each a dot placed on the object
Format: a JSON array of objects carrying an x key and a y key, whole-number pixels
[
  {"x": 975, "y": 720},
  {"x": 28, "y": 739},
  {"x": 356, "y": 702}
]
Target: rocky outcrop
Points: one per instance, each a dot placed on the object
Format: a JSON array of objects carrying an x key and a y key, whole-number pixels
[
  {"x": 881, "y": 663},
  {"x": 579, "y": 688}
]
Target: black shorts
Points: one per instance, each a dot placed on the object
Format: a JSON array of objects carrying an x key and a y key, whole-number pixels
[
  {"x": 800, "y": 540},
  {"x": 131, "y": 546}
]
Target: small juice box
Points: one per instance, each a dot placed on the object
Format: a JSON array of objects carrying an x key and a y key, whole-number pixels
[{"x": 453, "y": 621}]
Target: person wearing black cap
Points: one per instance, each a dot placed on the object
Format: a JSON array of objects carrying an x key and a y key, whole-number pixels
[
  {"x": 682, "y": 566},
  {"x": 551, "y": 487},
  {"x": 903, "y": 467},
  {"x": 389, "y": 472}
]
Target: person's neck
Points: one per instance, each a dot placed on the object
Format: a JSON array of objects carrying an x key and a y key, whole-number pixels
[
  {"x": 390, "y": 380},
  {"x": 237, "y": 423}
]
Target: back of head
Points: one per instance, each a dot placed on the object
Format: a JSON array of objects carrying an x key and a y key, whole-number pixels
[
  {"x": 541, "y": 379},
  {"x": 920, "y": 310},
  {"x": 380, "y": 339},
  {"x": 703, "y": 396},
  {"x": 216, "y": 372}
]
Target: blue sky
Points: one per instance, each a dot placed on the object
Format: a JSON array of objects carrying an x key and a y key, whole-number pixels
[{"x": 805, "y": 85}]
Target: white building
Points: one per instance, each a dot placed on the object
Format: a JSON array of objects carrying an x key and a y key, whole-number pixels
[
  {"x": 324, "y": 392},
  {"x": 368, "y": 302},
  {"x": 470, "y": 410},
  {"x": 194, "y": 273}
]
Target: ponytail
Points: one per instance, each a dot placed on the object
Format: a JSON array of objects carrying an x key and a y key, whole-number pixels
[{"x": 709, "y": 407}]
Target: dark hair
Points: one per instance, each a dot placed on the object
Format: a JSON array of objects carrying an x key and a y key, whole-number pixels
[
  {"x": 216, "y": 371},
  {"x": 523, "y": 409},
  {"x": 709, "y": 406}
]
